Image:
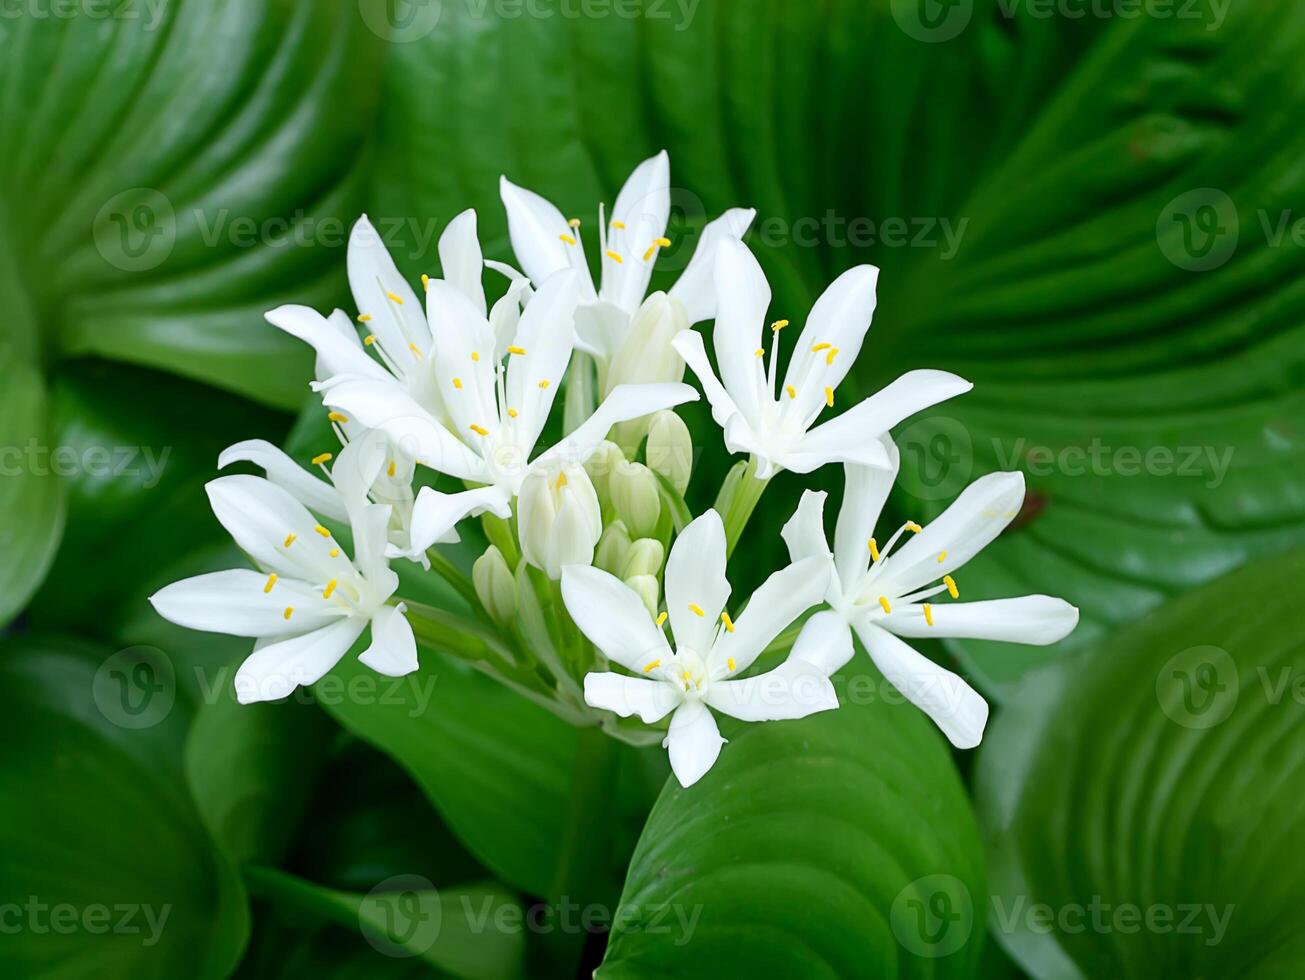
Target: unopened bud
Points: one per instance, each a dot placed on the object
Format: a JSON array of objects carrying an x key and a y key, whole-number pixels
[
  {"x": 495, "y": 587},
  {"x": 613, "y": 548},
  {"x": 558, "y": 518},
  {"x": 670, "y": 450},
  {"x": 647, "y": 589},
  {"x": 605, "y": 459},
  {"x": 644, "y": 558},
  {"x": 635, "y": 498}
]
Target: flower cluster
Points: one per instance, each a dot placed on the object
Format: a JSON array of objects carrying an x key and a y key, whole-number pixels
[{"x": 440, "y": 404}]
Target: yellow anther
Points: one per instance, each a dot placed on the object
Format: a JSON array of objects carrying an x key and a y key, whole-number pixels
[
  {"x": 475, "y": 355},
  {"x": 289, "y": 611},
  {"x": 874, "y": 550},
  {"x": 661, "y": 618},
  {"x": 819, "y": 347},
  {"x": 290, "y": 539},
  {"x": 731, "y": 665},
  {"x": 829, "y": 397},
  {"x": 760, "y": 352},
  {"x": 928, "y": 613},
  {"x": 951, "y": 586},
  {"x": 687, "y": 676},
  {"x": 569, "y": 239},
  {"x": 321, "y": 458},
  {"x": 883, "y": 601},
  {"x": 574, "y": 222},
  {"x": 942, "y": 557},
  {"x": 322, "y": 531},
  {"x": 364, "y": 317},
  {"x": 337, "y": 417},
  {"x": 913, "y": 527},
  {"x": 457, "y": 383},
  {"x": 619, "y": 224},
  {"x": 392, "y": 469},
  {"x": 829, "y": 358},
  {"x": 652, "y": 249},
  {"x": 792, "y": 392},
  {"x": 652, "y": 666},
  {"x": 330, "y": 587},
  {"x": 696, "y": 609},
  {"x": 271, "y": 581},
  {"x": 480, "y": 430},
  {"x": 396, "y": 298},
  {"x": 615, "y": 257},
  {"x": 512, "y": 413},
  {"x": 425, "y": 281},
  {"x": 416, "y": 351},
  {"x": 335, "y": 552},
  {"x": 729, "y": 623},
  {"x": 516, "y": 350},
  {"x": 369, "y": 340},
  {"x": 561, "y": 480},
  {"x": 544, "y": 383},
  {"x": 779, "y": 325}
]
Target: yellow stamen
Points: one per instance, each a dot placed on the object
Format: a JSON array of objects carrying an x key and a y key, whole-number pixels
[
  {"x": 416, "y": 351},
  {"x": 819, "y": 347},
  {"x": 364, "y": 317},
  {"x": 760, "y": 352},
  {"x": 942, "y": 557},
  {"x": 322, "y": 531},
  {"x": 271, "y": 581},
  {"x": 457, "y": 383},
  {"x": 516, "y": 350},
  {"x": 561, "y": 480},
  {"x": 512, "y": 413},
  {"x": 687, "y": 676},
  {"x": 480, "y": 430},
  {"x": 792, "y": 392},
  {"x": 653, "y": 665},
  {"x": 290, "y": 539},
  {"x": 874, "y": 550},
  {"x": 289, "y": 611},
  {"x": 729, "y": 623},
  {"x": 574, "y": 222},
  {"x": 330, "y": 587},
  {"x": 569, "y": 239},
  {"x": 829, "y": 358},
  {"x": 913, "y": 527},
  {"x": 475, "y": 355},
  {"x": 544, "y": 383},
  {"x": 615, "y": 257},
  {"x": 321, "y": 458},
  {"x": 619, "y": 224},
  {"x": 397, "y": 299},
  {"x": 393, "y": 468},
  {"x": 884, "y": 602},
  {"x": 696, "y": 609},
  {"x": 335, "y": 552},
  {"x": 425, "y": 281},
  {"x": 829, "y": 397},
  {"x": 337, "y": 417},
  {"x": 652, "y": 249},
  {"x": 779, "y": 325},
  {"x": 928, "y": 613},
  {"x": 731, "y": 665},
  {"x": 951, "y": 586},
  {"x": 661, "y": 618},
  {"x": 369, "y": 340}
]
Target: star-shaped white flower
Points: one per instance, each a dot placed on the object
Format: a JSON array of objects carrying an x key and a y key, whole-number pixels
[
  {"x": 884, "y": 591},
  {"x": 774, "y": 420},
  {"x": 627, "y": 335},
  {"x": 711, "y": 650},
  {"x": 308, "y": 601}
]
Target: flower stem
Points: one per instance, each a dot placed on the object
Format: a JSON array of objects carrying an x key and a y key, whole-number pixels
[
  {"x": 742, "y": 502},
  {"x": 450, "y": 572}
]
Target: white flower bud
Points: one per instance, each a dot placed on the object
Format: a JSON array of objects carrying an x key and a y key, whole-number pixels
[
  {"x": 613, "y": 548},
  {"x": 670, "y": 449},
  {"x": 606, "y": 458},
  {"x": 645, "y": 557},
  {"x": 646, "y": 356},
  {"x": 647, "y": 588},
  {"x": 558, "y": 518},
  {"x": 635, "y": 498},
  {"x": 495, "y": 586}
]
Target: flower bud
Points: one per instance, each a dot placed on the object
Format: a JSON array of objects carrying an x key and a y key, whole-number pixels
[
  {"x": 606, "y": 458},
  {"x": 645, "y": 557},
  {"x": 646, "y": 356},
  {"x": 670, "y": 449},
  {"x": 647, "y": 589},
  {"x": 495, "y": 586},
  {"x": 635, "y": 498},
  {"x": 613, "y": 548},
  {"x": 558, "y": 518}
]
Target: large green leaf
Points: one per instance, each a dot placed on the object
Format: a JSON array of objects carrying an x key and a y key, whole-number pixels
[
  {"x": 105, "y": 865},
  {"x": 173, "y": 170},
  {"x": 841, "y": 845},
  {"x": 1060, "y": 152},
  {"x": 1138, "y": 799}
]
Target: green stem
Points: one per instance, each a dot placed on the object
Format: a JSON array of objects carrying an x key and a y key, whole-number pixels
[
  {"x": 747, "y": 493},
  {"x": 450, "y": 572},
  {"x": 502, "y": 536},
  {"x": 457, "y": 634}
]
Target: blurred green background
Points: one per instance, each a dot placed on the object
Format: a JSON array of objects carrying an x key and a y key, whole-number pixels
[{"x": 1093, "y": 209}]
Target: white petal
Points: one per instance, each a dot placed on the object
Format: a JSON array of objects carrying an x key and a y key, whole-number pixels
[
  {"x": 624, "y": 403},
  {"x": 336, "y": 352},
  {"x": 613, "y": 617},
  {"x": 650, "y": 700},
  {"x": 274, "y": 670},
  {"x": 315, "y": 494},
  {"x": 357, "y": 467},
  {"x": 973, "y": 520},
  {"x": 943, "y": 696},
  {"x": 742, "y": 298},
  {"x": 237, "y": 603},
  {"x": 688, "y": 344},
  {"x": 794, "y": 689},
  {"x": 643, "y": 207},
  {"x": 825, "y": 641},
  {"x": 780, "y": 599},
  {"x": 393, "y": 651},
  {"x": 696, "y": 287},
  {"x": 461, "y": 261},
  {"x": 462, "y": 357},
  {"x": 865, "y": 490},
  {"x": 546, "y": 335},
  {"x": 435, "y": 514},
  {"x": 805, "y": 531},
  {"x": 505, "y": 317},
  {"x": 371, "y": 524},
  {"x": 695, "y": 576},
  {"x": 260, "y": 517},
  {"x": 578, "y": 526},
  {"x": 536, "y": 228},
  {"x": 841, "y": 318},
  {"x": 694, "y": 742},
  {"x": 375, "y": 280},
  {"x": 1034, "y": 619},
  {"x": 600, "y": 328}
]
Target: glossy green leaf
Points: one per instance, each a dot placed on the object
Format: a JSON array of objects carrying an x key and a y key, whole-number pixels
[
  {"x": 840, "y": 845},
  {"x": 1137, "y": 798},
  {"x": 105, "y": 866}
]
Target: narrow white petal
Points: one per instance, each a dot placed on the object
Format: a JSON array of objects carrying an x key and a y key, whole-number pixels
[
  {"x": 435, "y": 514},
  {"x": 742, "y": 299},
  {"x": 381, "y": 292},
  {"x": 688, "y": 344},
  {"x": 638, "y": 219},
  {"x": 537, "y": 228},
  {"x": 696, "y": 287},
  {"x": 393, "y": 651},
  {"x": 600, "y": 328},
  {"x": 624, "y": 403},
  {"x": 261, "y": 517},
  {"x": 576, "y": 531},
  {"x": 840, "y": 318},
  {"x": 238, "y": 603},
  {"x": 337, "y": 353},
  {"x": 695, "y": 582},
  {"x": 505, "y": 317},
  {"x": 274, "y": 670},
  {"x": 317, "y": 495},
  {"x": 370, "y": 526},
  {"x": 613, "y": 617},
  {"x": 805, "y": 531},
  {"x": 546, "y": 335},
  {"x": 865, "y": 490},
  {"x": 780, "y": 599},
  {"x": 952, "y": 704},
  {"x": 650, "y": 700},
  {"x": 794, "y": 689},
  {"x": 461, "y": 261},
  {"x": 694, "y": 742},
  {"x": 825, "y": 641},
  {"x": 462, "y": 361},
  {"x": 1034, "y": 619}
]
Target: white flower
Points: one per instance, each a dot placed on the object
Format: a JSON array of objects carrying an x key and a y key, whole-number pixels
[
  {"x": 307, "y": 603},
  {"x": 559, "y": 519},
  {"x": 710, "y": 651},
  {"x": 884, "y": 591},
  {"x": 773, "y": 420},
  {"x": 628, "y": 336}
]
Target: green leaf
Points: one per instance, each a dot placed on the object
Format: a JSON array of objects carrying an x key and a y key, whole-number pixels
[
  {"x": 31, "y": 500},
  {"x": 458, "y": 930},
  {"x": 174, "y": 171},
  {"x": 100, "y": 844},
  {"x": 839, "y": 845},
  {"x": 1139, "y": 793}
]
